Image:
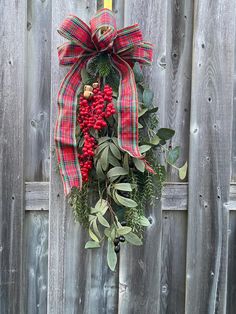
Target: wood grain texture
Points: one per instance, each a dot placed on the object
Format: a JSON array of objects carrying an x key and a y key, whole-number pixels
[
  {"x": 79, "y": 281},
  {"x": 36, "y": 262},
  {"x": 173, "y": 261},
  {"x": 231, "y": 300},
  {"x": 12, "y": 78},
  {"x": 139, "y": 275},
  {"x": 233, "y": 159},
  {"x": 37, "y": 113},
  {"x": 210, "y": 144},
  {"x": 36, "y": 196},
  {"x": 176, "y": 108}
]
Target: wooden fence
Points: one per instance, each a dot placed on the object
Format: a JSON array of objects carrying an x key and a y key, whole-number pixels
[{"x": 188, "y": 262}]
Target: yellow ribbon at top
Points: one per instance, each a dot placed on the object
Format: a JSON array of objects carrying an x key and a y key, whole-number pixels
[{"x": 108, "y": 4}]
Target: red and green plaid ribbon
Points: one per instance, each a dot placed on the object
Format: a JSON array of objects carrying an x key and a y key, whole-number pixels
[{"x": 124, "y": 46}]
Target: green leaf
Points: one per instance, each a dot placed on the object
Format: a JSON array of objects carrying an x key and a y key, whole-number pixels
[
  {"x": 93, "y": 236},
  {"x": 113, "y": 161},
  {"x": 123, "y": 187},
  {"x": 124, "y": 230},
  {"x": 92, "y": 245},
  {"x": 91, "y": 217},
  {"x": 99, "y": 171},
  {"x": 139, "y": 164},
  {"x": 117, "y": 171},
  {"x": 103, "y": 220},
  {"x": 115, "y": 151},
  {"x": 138, "y": 72},
  {"x": 115, "y": 141},
  {"x": 133, "y": 239},
  {"x": 111, "y": 255},
  {"x": 144, "y": 221},
  {"x": 183, "y": 171},
  {"x": 95, "y": 228},
  {"x": 140, "y": 126},
  {"x": 155, "y": 140},
  {"x": 101, "y": 147},
  {"x": 101, "y": 206},
  {"x": 148, "y": 96},
  {"x": 104, "y": 158},
  {"x": 144, "y": 148},
  {"x": 153, "y": 110},
  {"x": 107, "y": 232},
  {"x": 126, "y": 162},
  {"x": 165, "y": 134},
  {"x": 127, "y": 202},
  {"x": 103, "y": 139},
  {"x": 140, "y": 93},
  {"x": 142, "y": 112},
  {"x": 173, "y": 155}
]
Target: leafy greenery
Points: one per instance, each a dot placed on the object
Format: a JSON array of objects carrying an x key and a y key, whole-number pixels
[{"x": 122, "y": 185}]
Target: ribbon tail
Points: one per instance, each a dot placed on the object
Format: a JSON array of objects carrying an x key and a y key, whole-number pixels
[
  {"x": 65, "y": 140},
  {"x": 127, "y": 108}
]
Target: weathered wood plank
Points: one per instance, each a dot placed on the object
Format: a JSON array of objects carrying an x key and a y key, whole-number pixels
[
  {"x": 12, "y": 78},
  {"x": 79, "y": 281},
  {"x": 231, "y": 289},
  {"x": 174, "y": 196},
  {"x": 233, "y": 160},
  {"x": 176, "y": 108},
  {"x": 173, "y": 262},
  {"x": 36, "y": 262},
  {"x": 36, "y": 196},
  {"x": 37, "y": 113},
  {"x": 140, "y": 267},
  {"x": 210, "y": 145}
]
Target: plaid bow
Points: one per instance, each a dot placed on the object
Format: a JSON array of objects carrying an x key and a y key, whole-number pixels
[{"x": 124, "y": 46}]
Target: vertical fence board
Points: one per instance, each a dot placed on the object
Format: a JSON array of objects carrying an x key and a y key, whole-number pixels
[
  {"x": 37, "y": 113},
  {"x": 231, "y": 291},
  {"x": 79, "y": 280},
  {"x": 210, "y": 144},
  {"x": 140, "y": 267},
  {"x": 174, "y": 231},
  {"x": 233, "y": 161},
  {"x": 178, "y": 76},
  {"x": 12, "y": 33},
  {"x": 37, "y": 146},
  {"x": 36, "y": 256}
]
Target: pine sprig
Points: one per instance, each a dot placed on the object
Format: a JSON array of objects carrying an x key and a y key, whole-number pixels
[{"x": 78, "y": 200}]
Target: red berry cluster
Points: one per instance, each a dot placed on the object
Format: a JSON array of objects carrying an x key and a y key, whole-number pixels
[{"x": 92, "y": 115}]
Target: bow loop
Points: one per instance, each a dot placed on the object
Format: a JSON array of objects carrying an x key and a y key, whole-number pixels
[
  {"x": 70, "y": 53},
  {"x": 103, "y": 28},
  {"x": 75, "y": 30},
  {"x": 127, "y": 38}
]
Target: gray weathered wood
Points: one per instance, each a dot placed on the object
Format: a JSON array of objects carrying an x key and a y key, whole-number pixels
[
  {"x": 79, "y": 281},
  {"x": 36, "y": 196},
  {"x": 140, "y": 267},
  {"x": 174, "y": 196},
  {"x": 173, "y": 265},
  {"x": 210, "y": 144},
  {"x": 12, "y": 34},
  {"x": 231, "y": 300},
  {"x": 176, "y": 108},
  {"x": 37, "y": 113},
  {"x": 233, "y": 160},
  {"x": 36, "y": 262}
]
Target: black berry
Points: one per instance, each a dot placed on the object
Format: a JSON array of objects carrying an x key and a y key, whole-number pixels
[
  {"x": 117, "y": 248},
  {"x": 122, "y": 239},
  {"x": 123, "y": 223},
  {"x": 116, "y": 241}
]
